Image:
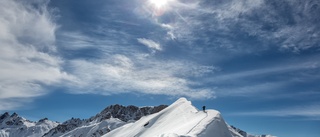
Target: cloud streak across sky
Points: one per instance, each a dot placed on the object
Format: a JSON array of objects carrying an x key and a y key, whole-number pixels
[
  {"x": 154, "y": 46},
  {"x": 310, "y": 112}
]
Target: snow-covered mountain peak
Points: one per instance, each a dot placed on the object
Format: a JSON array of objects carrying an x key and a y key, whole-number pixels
[
  {"x": 179, "y": 119},
  {"x": 14, "y": 120},
  {"x": 16, "y": 126},
  {"x": 182, "y": 99}
]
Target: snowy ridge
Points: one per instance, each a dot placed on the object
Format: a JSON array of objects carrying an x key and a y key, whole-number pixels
[
  {"x": 16, "y": 126},
  {"x": 180, "y": 119}
]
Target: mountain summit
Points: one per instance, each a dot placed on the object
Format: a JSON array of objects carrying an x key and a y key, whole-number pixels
[{"x": 180, "y": 119}]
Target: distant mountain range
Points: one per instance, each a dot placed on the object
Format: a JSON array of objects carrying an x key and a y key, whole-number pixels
[{"x": 180, "y": 119}]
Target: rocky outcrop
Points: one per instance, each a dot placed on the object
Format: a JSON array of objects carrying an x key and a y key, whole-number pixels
[{"x": 126, "y": 113}]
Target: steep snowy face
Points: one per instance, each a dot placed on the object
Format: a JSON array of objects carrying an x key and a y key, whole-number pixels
[
  {"x": 179, "y": 119},
  {"x": 16, "y": 126},
  {"x": 110, "y": 118}
]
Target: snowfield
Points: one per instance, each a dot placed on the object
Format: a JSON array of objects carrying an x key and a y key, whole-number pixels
[{"x": 180, "y": 119}]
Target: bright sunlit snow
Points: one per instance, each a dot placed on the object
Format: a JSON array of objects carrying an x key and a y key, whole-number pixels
[{"x": 179, "y": 119}]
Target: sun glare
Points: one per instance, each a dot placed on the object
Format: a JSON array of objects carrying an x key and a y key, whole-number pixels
[{"x": 159, "y": 3}]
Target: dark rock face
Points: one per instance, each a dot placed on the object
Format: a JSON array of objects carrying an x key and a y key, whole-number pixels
[
  {"x": 3, "y": 116},
  {"x": 126, "y": 113},
  {"x": 42, "y": 120}
]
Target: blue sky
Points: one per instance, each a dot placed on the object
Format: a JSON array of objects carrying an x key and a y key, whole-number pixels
[{"x": 256, "y": 61}]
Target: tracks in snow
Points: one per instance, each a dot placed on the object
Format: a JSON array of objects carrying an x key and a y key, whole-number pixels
[{"x": 198, "y": 122}]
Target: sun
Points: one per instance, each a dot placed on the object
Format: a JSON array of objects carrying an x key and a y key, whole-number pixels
[
  {"x": 159, "y": 3},
  {"x": 160, "y": 7}
]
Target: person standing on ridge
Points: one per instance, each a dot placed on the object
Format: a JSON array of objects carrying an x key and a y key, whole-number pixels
[{"x": 204, "y": 108}]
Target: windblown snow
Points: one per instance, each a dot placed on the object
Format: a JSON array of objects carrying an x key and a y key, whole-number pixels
[{"x": 180, "y": 119}]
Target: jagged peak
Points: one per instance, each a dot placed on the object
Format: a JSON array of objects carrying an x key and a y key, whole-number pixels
[
  {"x": 43, "y": 120},
  {"x": 4, "y": 115},
  {"x": 14, "y": 115},
  {"x": 73, "y": 121}
]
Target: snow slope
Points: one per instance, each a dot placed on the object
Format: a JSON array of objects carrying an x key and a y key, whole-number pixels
[
  {"x": 180, "y": 119},
  {"x": 95, "y": 129}
]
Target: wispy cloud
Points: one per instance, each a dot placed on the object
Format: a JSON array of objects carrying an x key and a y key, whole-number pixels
[
  {"x": 279, "y": 68},
  {"x": 26, "y": 58},
  {"x": 121, "y": 74},
  {"x": 154, "y": 46},
  {"x": 245, "y": 25},
  {"x": 115, "y": 61},
  {"x": 122, "y": 64},
  {"x": 12, "y": 104},
  {"x": 250, "y": 90},
  {"x": 124, "y": 67},
  {"x": 308, "y": 111},
  {"x": 274, "y": 78}
]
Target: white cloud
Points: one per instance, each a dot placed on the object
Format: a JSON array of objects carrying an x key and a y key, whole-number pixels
[
  {"x": 76, "y": 40},
  {"x": 11, "y": 104},
  {"x": 27, "y": 42},
  {"x": 154, "y": 46},
  {"x": 121, "y": 74}
]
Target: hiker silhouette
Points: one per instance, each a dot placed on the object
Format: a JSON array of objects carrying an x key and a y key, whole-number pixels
[{"x": 204, "y": 108}]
